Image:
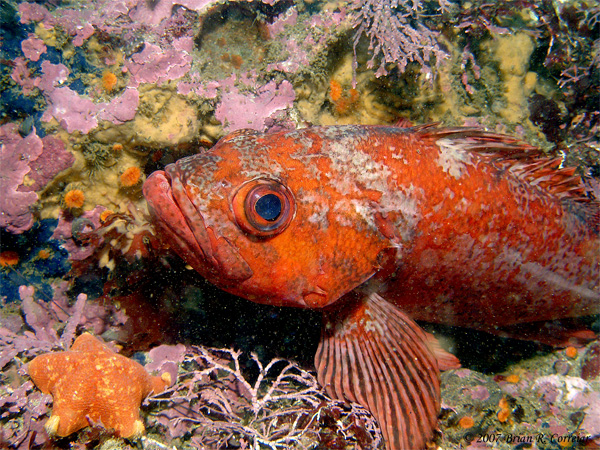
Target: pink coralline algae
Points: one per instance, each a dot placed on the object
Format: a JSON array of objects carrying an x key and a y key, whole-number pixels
[
  {"x": 26, "y": 165},
  {"x": 53, "y": 160},
  {"x": 257, "y": 110},
  {"x": 573, "y": 392},
  {"x": 122, "y": 108},
  {"x": 78, "y": 113},
  {"x": 82, "y": 33},
  {"x": 53, "y": 76},
  {"x": 33, "y": 47},
  {"x": 590, "y": 400},
  {"x": 479, "y": 393},
  {"x": 72, "y": 111},
  {"x": 155, "y": 12},
  {"x": 15, "y": 155},
  {"x": 21, "y": 75},
  {"x": 155, "y": 65},
  {"x": 74, "y": 22},
  {"x": 283, "y": 20},
  {"x": 75, "y": 112}
]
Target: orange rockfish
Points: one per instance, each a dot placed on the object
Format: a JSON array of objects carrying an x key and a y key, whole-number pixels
[{"x": 379, "y": 226}]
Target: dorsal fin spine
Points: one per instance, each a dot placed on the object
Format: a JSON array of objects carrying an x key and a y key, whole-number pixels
[{"x": 523, "y": 160}]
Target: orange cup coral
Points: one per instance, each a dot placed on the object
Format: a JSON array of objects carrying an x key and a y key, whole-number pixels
[
  {"x": 344, "y": 103},
  {"x": 504, "y": 413},
  {"x": 571, "y": 352},
  {"x": 513, "y": 378},
  {"x": 131, "y": 177},
  {"x": 466, "y": 422},
  {"x": 104, "y": 215},
  {"x": 109, "y": 81},
  {"x": 44, "y": 254},
  {"x": 74, "y": 198},
  {"x": 9, "y": 258}
]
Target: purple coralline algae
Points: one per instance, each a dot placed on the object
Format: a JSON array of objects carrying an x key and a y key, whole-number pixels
[
  {"x": 155, "y": 65},
  {"x": 156, "y": 12},
  {"x": 53, "y": 160},
  {"x": 15, "y": 155},
  {"x": 120, "y": 109},
  {"x": 78, "y": 113},
  {"x": 33, "y": 48},
  {"x": 72, "y": 111},
  {"x": 26, "y": 165},
  {"x": 257, "y": 110}
]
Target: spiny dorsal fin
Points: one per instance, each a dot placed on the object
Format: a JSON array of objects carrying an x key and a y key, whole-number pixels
[
  {"x": 523, "y": 160},
  {"x": 501, "y": 146}
]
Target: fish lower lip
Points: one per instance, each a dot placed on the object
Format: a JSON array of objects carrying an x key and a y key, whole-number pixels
[
  {"x": 167, "y": 173},
  {"x": 210, "y": 254},
  {"x": 168, "y": 215}
]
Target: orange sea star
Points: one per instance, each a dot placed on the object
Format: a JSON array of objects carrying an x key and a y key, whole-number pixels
[{"x": 90, "y": 382}]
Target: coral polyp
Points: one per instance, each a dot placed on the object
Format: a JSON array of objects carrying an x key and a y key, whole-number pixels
[
  {"x": 132, "y": 176},
  {"x": 74, "y": 199}
]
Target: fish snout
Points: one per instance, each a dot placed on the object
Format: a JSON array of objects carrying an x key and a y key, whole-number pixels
[{"x": 183, "y": 227}]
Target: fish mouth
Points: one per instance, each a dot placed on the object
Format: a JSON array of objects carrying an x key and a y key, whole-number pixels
[{"x": 183, "y": 227}]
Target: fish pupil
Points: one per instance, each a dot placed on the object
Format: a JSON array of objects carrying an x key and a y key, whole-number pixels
[{"x": 268, "y": 207}]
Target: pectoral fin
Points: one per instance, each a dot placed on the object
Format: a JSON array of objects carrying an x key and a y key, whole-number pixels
[{"x": 374, "y": 354}]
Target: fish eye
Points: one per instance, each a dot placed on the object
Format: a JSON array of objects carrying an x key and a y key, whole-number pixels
[{"x": 263, "y": 207}]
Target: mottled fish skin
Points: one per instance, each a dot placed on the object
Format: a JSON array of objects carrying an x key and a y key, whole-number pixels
[
  {"x": 471, "y": 243},
  {"x": 454, "y": 226}
]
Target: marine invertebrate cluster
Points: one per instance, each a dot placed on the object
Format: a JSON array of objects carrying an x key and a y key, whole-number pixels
[
  {"x": 124, "y": 236},
  {"x": 97, "y": 156}
]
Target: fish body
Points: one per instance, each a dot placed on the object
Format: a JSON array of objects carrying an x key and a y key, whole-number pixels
[{"x": 379, "y": 226}]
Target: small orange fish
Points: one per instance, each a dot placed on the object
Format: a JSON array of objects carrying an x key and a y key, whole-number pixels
[{"x": 379, "y": 226}]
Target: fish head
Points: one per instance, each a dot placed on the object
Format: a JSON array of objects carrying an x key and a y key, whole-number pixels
[{"x": 253, "y": 217}]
